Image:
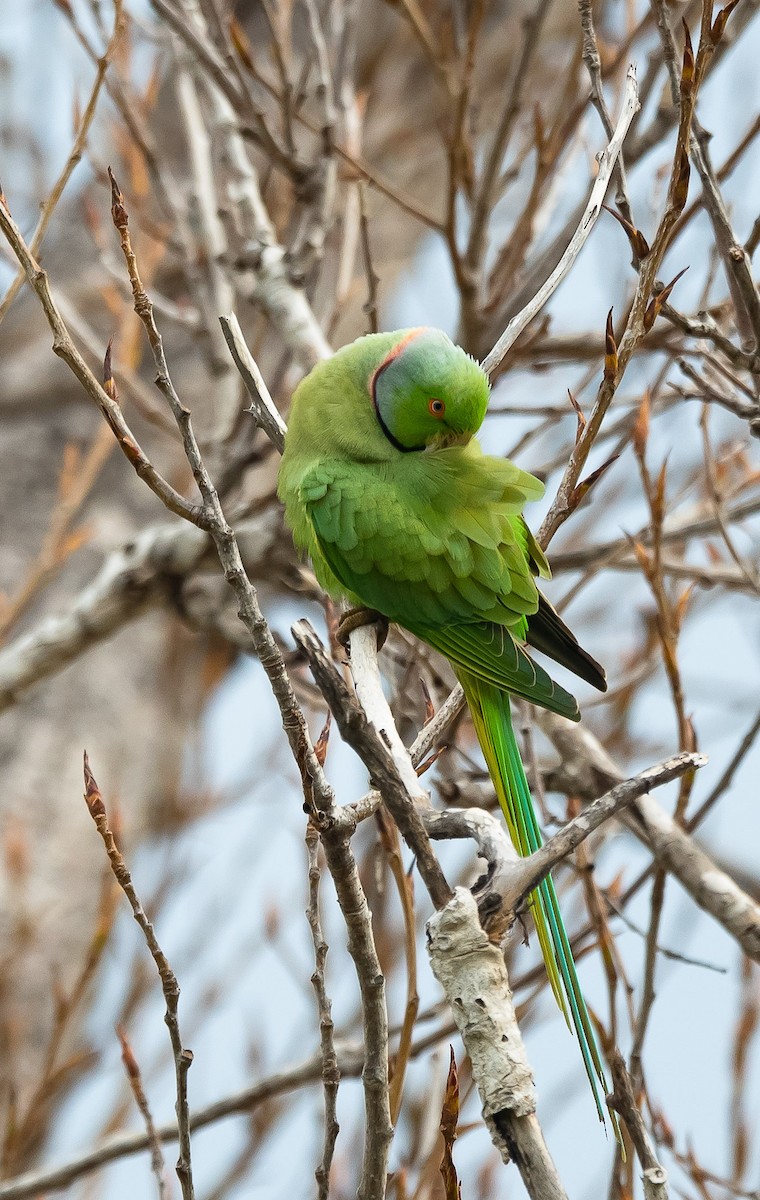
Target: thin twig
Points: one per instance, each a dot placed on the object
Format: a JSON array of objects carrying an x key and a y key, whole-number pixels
[
  {"x": 182, "y": 1057},
  {"x": 330, "y": 1072},
  {"x": 391, "y": 842},
  {"x": 594, "y": 67},
  {"x": 263, "y": 408},
  {"x": 530, "y": 871},
  {"x": 80, "y": 141},
  {"x": 607, "y": 161},
  {"x": 64, "y": 347},
  {"x": 387, "y": 773},
  {"x": 655, "y": 1178},
  {"x": 132, "y": 1068}
]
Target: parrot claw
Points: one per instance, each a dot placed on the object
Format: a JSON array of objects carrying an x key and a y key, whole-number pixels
[{"x": 354, "y": 618}]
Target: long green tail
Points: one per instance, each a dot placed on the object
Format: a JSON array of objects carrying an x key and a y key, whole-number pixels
[{"x": 492, "y": 718}]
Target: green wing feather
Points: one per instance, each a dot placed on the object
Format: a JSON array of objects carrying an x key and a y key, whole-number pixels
[
  {"x": 489, "y": 653},
  {"x": 441, "y": 548}
]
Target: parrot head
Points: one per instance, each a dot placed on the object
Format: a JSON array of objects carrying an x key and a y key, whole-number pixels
[{"x": 427, "y": 392}]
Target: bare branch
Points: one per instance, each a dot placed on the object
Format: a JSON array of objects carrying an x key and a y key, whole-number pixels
[
  {"x": 471, "y": 971},
  {"x": 330, "y": 1072},
  {"x": 387, "y": 766},
  {"x": 607, "y": 161},
  {"x": 530, "y": 871},
  {"x": 263, "y": 408},
  {"x": 64, "y": 347},
  {"x": 74, "y": 158},
  {"x": 182, "y": 1057},
  {"x": 654, "y": 1178},
  {"x": 134, "y": 1076}
]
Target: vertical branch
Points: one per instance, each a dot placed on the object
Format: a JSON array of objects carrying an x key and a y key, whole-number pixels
[
  {"x": 182, "y": 1057},
  {"x": 330, "y": 1071},
  {"x": 594, "y": 67},
  {"x": 389, "y": 837},
  {"x": 378, "y": 1133},
  {"x": 134, "y": 1076},
  {"x": 77, "y": 150}
]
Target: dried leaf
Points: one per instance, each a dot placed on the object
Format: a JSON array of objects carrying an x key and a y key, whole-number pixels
[
  {"x": 681, "y": 185},
  {"x": 92, "y": 794},
  {"x": 449, "y": 1121},
  {"x": 682, "y": 605},
  {"x": 109, "y": 383},
  {"x": 610, "y": 350},
  {"x": 150, "y": 94},
  {"x": 15, "y": 843},
  {"x": 74, "y": 541},
  {"x": 539, "y": 130},
  {"x": 76, "y": 116},
  {"x": 639, "y": 244},
  {"x": 657, "y": 499},
  {"x": 118, "y": 211},
  {"x": 272, "y": 923},
  {"x": 240, "y": 41},
  {"x": 430, "y": 760},
  {"x": 429, "y": 709},
  {"x": 719, "y": 28},
  {"x": 127, "y": 1056},
  {"x": 655, "y": 305},
  {"x": 584, "y": 487},
  {"x": 320, "y": 746},
  {"x": 399, "y": 1180},
  {"x": 70, "y": 467},
  {"x": 643, "y": 556},
  {"x": 640, "y": 433},
  {"x": 687, "y": 69}
]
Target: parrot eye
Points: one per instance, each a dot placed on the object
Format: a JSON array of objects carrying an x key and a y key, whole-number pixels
[{"x": 436, "y": 407}]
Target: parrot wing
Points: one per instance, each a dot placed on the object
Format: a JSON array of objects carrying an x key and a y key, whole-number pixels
[
  {"x": 441, "y": 558},
  {"x": 490, "y": 653}
]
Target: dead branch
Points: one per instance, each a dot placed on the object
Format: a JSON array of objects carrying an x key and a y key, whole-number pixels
[{"x": 182, "y": 1056}]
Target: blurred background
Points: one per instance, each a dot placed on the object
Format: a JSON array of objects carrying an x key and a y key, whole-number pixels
[{"x": 322, "y": 167}]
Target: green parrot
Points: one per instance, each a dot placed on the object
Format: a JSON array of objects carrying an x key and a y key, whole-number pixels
[{"x": 387, "y": 490}]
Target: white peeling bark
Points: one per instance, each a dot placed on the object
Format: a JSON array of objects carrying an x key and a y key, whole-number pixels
[
  {"x": 369, "y": 689},
  {"x": 472, "y": 973}
]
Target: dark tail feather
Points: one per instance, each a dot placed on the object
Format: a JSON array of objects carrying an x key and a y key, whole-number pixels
[{"x": 548, "y": 633}]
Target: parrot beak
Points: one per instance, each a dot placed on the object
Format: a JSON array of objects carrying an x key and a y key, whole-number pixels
[{"x": 449, "y": 437}]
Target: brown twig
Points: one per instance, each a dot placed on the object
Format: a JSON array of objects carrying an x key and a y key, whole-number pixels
[
  {"x": 182, "y": 1057},
  {"x": 655, "y": 1178},
  {"x": 64, "y": 347},
  {"x": 75, "y": 156},
  {"x": 370, "y": 307},
  {"x": 330, "y": 1071},
  {"x": 132, "y": 1069},
  {"x": 318, "y": 795},
  {"x": 390, "y": 840},
  {"x": 357, "y": 730},
  {"x": 619, "y": 352}
]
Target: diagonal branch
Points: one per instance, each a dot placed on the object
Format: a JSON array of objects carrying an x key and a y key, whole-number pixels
[
  {"x": 64, "y": 347},
  {"x": 529, "y": 872},
  {"x": 182, "y": 1057},
  {"x": 386, "y": 775},
  {"x": 607, "y": 161}
]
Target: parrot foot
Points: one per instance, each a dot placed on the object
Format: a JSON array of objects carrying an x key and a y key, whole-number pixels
[{"x": 354, "y": 618}]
